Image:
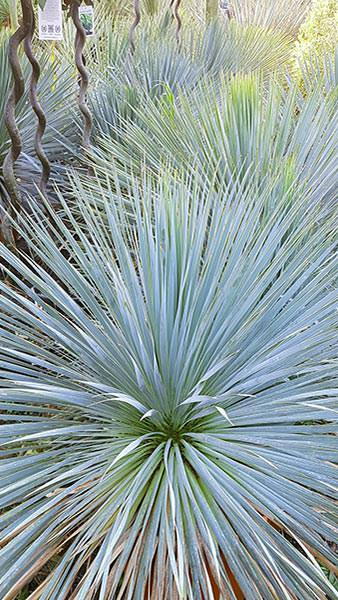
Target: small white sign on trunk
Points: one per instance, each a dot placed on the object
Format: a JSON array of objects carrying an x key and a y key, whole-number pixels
[{"x": 50, "y": 21}]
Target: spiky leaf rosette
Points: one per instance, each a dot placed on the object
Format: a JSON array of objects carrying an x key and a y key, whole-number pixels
[{"x": 169, "y": 397}]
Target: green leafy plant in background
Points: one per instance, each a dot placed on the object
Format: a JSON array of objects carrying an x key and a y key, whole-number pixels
[
  {"x": 212, "y": 9},
  {"x": 319, "y": 33},
  {"x": 317, "y": 38},
  {"x": 4, "y": 13},
  {"x": 10, "y": 11},
  {"x": 151, "y": 7},
  {"x": 168, "y": 394},
  {"x": 332, "y": 577}
]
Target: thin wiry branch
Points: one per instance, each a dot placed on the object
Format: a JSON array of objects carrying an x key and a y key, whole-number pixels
[
  {"x": 37, "y": 106},
  {"x": 137, "y": 19},
  {"x": 14, "y": 97},
  {"x": 176, "y": 12},
  {"x": 80, "y": 40}
]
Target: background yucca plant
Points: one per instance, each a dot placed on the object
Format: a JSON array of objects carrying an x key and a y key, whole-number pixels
[
  {"x": 283, "y": 15},
  {"x": 168, "y": 396},
  {"x": 223, "y": 127}
]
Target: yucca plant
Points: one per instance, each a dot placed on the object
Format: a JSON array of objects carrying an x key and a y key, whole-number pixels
[
  {"x": 168, "y": 396},
  {"x": 110, "y": 47},
  {"x": 224, "y": 127},
  {"x": 157, "y": 69},
  {"x": 230, "y": 47},
  {"x": 131, "y": 87},
  {"x": 283, "y": 14},
  {"x": 121, "y": 81}
]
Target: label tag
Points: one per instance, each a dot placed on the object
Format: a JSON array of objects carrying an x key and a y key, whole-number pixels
[
  {"x": 50, "y": 21},
  {"x": 86, "y": 14}
]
